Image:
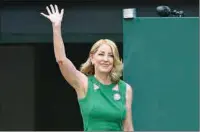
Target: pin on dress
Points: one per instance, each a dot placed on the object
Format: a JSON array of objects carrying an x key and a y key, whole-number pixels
[{"x": 117, "y": 96}]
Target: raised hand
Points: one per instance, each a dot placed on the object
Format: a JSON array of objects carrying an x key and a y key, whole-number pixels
[{"x": 53, "y": 15}]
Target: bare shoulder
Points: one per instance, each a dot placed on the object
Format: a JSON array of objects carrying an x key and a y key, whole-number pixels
[
  {"x": 129, "y": 93},
  {"x": 129, "y": 88}
]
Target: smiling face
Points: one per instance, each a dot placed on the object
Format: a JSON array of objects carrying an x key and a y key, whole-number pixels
[{"x": 103, "y": 59}]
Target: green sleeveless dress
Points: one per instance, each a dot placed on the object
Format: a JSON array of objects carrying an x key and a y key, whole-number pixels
[{"x": 103, "y": 108}]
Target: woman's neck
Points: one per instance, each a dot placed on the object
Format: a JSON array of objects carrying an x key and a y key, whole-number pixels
[{"x": 103, "y": 78}]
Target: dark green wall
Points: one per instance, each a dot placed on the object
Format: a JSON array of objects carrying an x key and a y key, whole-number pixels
[
  {"x": 24, "y": 24},
  {"x": 161, "y": 57}
]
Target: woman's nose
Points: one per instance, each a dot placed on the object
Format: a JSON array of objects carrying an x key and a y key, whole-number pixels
[{"x": 105, "y": 58}]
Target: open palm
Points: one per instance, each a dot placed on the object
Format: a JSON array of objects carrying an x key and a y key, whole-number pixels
[{"x": 53, "y": 15}]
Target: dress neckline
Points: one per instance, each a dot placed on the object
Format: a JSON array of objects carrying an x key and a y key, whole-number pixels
[{"x": 101, "y": 84}]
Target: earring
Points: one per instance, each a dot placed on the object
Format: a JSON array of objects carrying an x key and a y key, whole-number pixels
[{"x": 91, "y": 62}]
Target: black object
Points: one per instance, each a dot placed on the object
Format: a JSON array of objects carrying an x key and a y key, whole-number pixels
[{"x": 165, "y": 11}]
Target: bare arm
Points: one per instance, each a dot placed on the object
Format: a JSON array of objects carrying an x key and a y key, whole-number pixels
[
  {"x": 74, "y": 77},
  {"x": 128, "y": 123},
  {"x": 68, "y": 70}
]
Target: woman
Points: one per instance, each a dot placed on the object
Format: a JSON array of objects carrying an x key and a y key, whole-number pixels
[{"x": 105, "y": 100}]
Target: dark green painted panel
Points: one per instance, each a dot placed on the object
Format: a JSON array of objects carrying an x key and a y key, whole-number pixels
[
  {"x": 20, "y": 38},
  {"x": 161, "y": 62}
]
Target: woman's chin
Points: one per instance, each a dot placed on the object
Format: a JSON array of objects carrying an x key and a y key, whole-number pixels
[{"x": 105, "y": 70}]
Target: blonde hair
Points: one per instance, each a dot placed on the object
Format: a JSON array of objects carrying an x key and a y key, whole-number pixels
[{"x": 88, "y": 69}]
